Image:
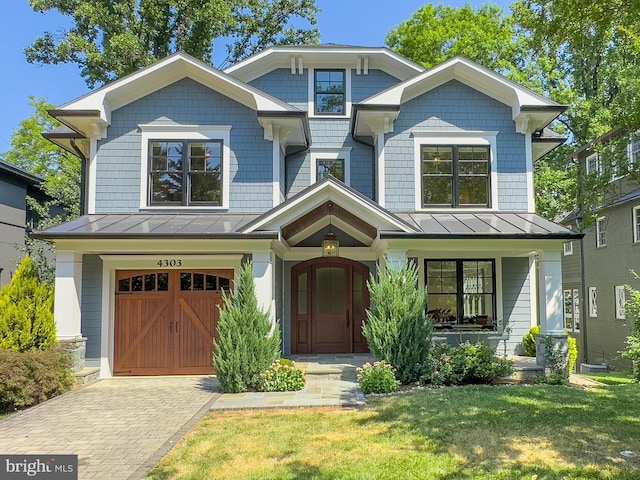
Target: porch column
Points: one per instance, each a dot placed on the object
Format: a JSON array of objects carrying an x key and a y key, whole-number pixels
[
  {"x": 67, "y": 305},
  {"x": 551, "y": 310},
  {"x": 396, "y": 259},
  {"x": 263, "y": 272}
]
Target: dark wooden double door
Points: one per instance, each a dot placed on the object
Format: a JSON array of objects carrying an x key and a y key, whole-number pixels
[
  {"x": 329, "y": 302},
  {"x": 165, "y": 321}
]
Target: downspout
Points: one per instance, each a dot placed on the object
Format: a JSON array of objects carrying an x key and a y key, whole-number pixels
[{"x": 83, "y": 173}]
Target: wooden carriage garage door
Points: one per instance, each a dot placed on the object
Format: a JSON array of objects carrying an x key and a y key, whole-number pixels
[{"x": 165, "y": 321}]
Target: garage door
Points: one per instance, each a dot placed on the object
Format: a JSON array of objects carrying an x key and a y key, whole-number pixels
[{"x": 165, "y": 321}]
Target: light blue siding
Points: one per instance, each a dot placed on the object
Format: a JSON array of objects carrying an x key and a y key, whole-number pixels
[
  {"x": 516, "y": 300},
  {"x": 365, "y": 86},
  {"x": 451, "y": 107},
  {"x": 280, "y": 83},
  {"x": 184, "y": 102},
  {"x": 91, "y": 309}
]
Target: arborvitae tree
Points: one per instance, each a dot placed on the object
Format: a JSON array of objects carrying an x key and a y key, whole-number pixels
[
  {"x": 248, "y": 343},
  {"x": 397, "y": 329},
  {"x": 26, "y": 310}
]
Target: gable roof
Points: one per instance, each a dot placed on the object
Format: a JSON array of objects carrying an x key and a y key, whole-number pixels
[
  {"x": 93, "y": 110},
  {"x": 531, "y": 111},
  {"x": 324, "y": 56}
]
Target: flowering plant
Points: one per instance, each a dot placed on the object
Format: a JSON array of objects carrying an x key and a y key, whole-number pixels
[
  {"x": 377, "y": 378},
  {"x": 282, "y": 376}
]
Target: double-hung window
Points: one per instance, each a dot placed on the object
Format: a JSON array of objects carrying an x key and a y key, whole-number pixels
[
  {"x": 455, "y": 176},
  {"x": 329, "y": 92},
  {"x": 185, "y": 172},
  {"x": 594, "y": 165},
  {"x": 461, "y": 292},
  {"x": 601, "y": 232},
  {"x": 636, "y": 224}
]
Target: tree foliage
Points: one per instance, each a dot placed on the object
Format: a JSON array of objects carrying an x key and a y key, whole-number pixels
[
  {"x": 248, "y": 343},
  {"x": 397, "y": 329},
  {"x": 26, "y": 310},
  {"x": 110, "y": 39}
]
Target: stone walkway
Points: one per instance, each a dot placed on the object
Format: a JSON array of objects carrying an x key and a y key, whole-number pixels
[{"x": 119, "y": 428}]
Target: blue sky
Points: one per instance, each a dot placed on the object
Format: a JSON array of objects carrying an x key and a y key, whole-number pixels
[{"x": 353, "y": 22}]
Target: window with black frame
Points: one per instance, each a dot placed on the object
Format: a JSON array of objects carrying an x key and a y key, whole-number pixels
[
  {"x": 455, "y": 176},
  {"x": 185, "y": 172},
  {"x": 461, "y": 294},
  {"x": 329, "y": 92}
]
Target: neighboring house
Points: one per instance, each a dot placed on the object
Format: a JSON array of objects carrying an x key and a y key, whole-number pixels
[
  {"x": 16, "y": 218},
  {"x": 316, "y": 163},
  {"x": 611, "y": 251}
]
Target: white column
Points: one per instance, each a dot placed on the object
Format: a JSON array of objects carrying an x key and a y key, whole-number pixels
[
  {"x": 380, "y": 167},
  {"x": 68, "y": 294},
  {"x": 263, "y": 279},
  {"x": 276, "y": 166},
  {"x": 550, "y": 292},
  {"x": 396, "y": 259}
]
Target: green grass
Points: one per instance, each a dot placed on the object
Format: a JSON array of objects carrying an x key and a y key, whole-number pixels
[
  {"x": 611, "y": 378},
  {"x": 476, "y": 432}
]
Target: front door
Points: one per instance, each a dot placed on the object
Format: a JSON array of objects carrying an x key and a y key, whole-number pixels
[{"x": 329, "y": 301}]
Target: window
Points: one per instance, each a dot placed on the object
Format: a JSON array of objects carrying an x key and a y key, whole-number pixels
[
  {"x": 455, "y": 176},
  {"x": 461, "y": 292},
  {"x": 568, "y": 309},
  {"x": 333, "y": 167},
  {"x": 568, "y": 248},
  {"x": 593, "y": 164},
  {"x": 329, "y": 92},
  {"x": 185, "y": 172},
  {"x": 636, "y": 223},
  {"x": 593, "y": 302},
  {"x": 601, "y": 232},
  {"x": 619, "y": 292}
]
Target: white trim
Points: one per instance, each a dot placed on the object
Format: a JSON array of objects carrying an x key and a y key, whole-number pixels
[
  {"x": 598, "y": 163},
  {"x": 533, "y": 290},
  {"x": 600, "y": 223},
  {"x": 330, "y": 154},
  {"x": 185, "y": 132},
  {"x": 567, "y": 248},
  {"x": 635, "y": 212},
  {"x": 593, "y": 302},
  {"x": 91, "y": 181},
  {"x": 380, "y": 167},
  {"x": 462, "y": 137},
  {"x": 528, "y": 152},
  {"x": 275, "y": 183},
  {"x": 311, "y": 100},
  {"x": 111, "y": 263},
  {"x": 620, "y": 301}
]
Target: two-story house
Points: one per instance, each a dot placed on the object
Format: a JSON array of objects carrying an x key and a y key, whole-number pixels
[
  {"x": 317, "y": 163},
  {"x": 16, "y": 218},
  {"x": 596, "y": 270}
]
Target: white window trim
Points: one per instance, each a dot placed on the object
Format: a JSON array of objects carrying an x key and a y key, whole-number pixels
[
  {"x": 598, "y": 163},
  {"x": 184, "y": 132},
  {"x": 567, "y": 248},
  {"x": 599, "y": 221},
  {"x": 636, "y": 223},
  {"x": 311, "y": 109},
  {"x": 439, "y": 137},
  {"x": 620, "y": 301},
  {"x": 568, "y": 312},
  {"x": 330, "y": 154},
  {"x": 593, "y": 302}
]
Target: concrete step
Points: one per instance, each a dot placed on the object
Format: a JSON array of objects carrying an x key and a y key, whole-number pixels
[{"x": 87, "y": 375}]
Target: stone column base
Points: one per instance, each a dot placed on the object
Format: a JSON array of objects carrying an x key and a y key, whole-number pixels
[
  {"x": 552, "y": 353},
  {"x": 77, "y": 348}
]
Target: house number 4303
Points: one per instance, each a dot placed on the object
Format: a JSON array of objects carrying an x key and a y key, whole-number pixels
[{"x": 169, "y": 263}]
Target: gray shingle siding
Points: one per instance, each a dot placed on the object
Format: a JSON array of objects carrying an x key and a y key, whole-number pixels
[
  {"x": 453, "y": 107},
  {"x": 184, "y": 102},
  {"x": 516, "y": 300},
  {"x": 92, "y": 305},
  {"x": 365, "y": 86},
  {"x": 280, "y": 83}
]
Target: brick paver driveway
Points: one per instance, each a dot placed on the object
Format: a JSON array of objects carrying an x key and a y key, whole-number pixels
[{"x": 119, "y": 428}]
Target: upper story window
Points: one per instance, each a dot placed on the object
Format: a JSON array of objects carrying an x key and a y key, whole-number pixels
[
  {"x": 185, "y": 172},
  {"x": 333, "y": 167},
  {"x": 601, "y": 232},
  {"x": 455, "y": 176},
  {"x": 636, "y": 223},
  {"x": 568, "y": 248},
  {"x": 593, "y": 164},
  {"x": 330, "y": 92},
  {"x": 330, "y": 161}
]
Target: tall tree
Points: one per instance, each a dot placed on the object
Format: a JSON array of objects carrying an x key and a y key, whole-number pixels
[{"x": 112, "y": 38}]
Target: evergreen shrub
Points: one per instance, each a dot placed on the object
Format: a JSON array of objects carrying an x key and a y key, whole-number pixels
[
  {"x": 248, "y": 342},
  {"x": 397, "y": 329},
  {"x": 26, "y": 310}
]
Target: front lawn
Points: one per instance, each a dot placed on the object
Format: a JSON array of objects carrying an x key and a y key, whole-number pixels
[
  {"x": 475, "y": 432},
  {"x": 610, "y": 378}
]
